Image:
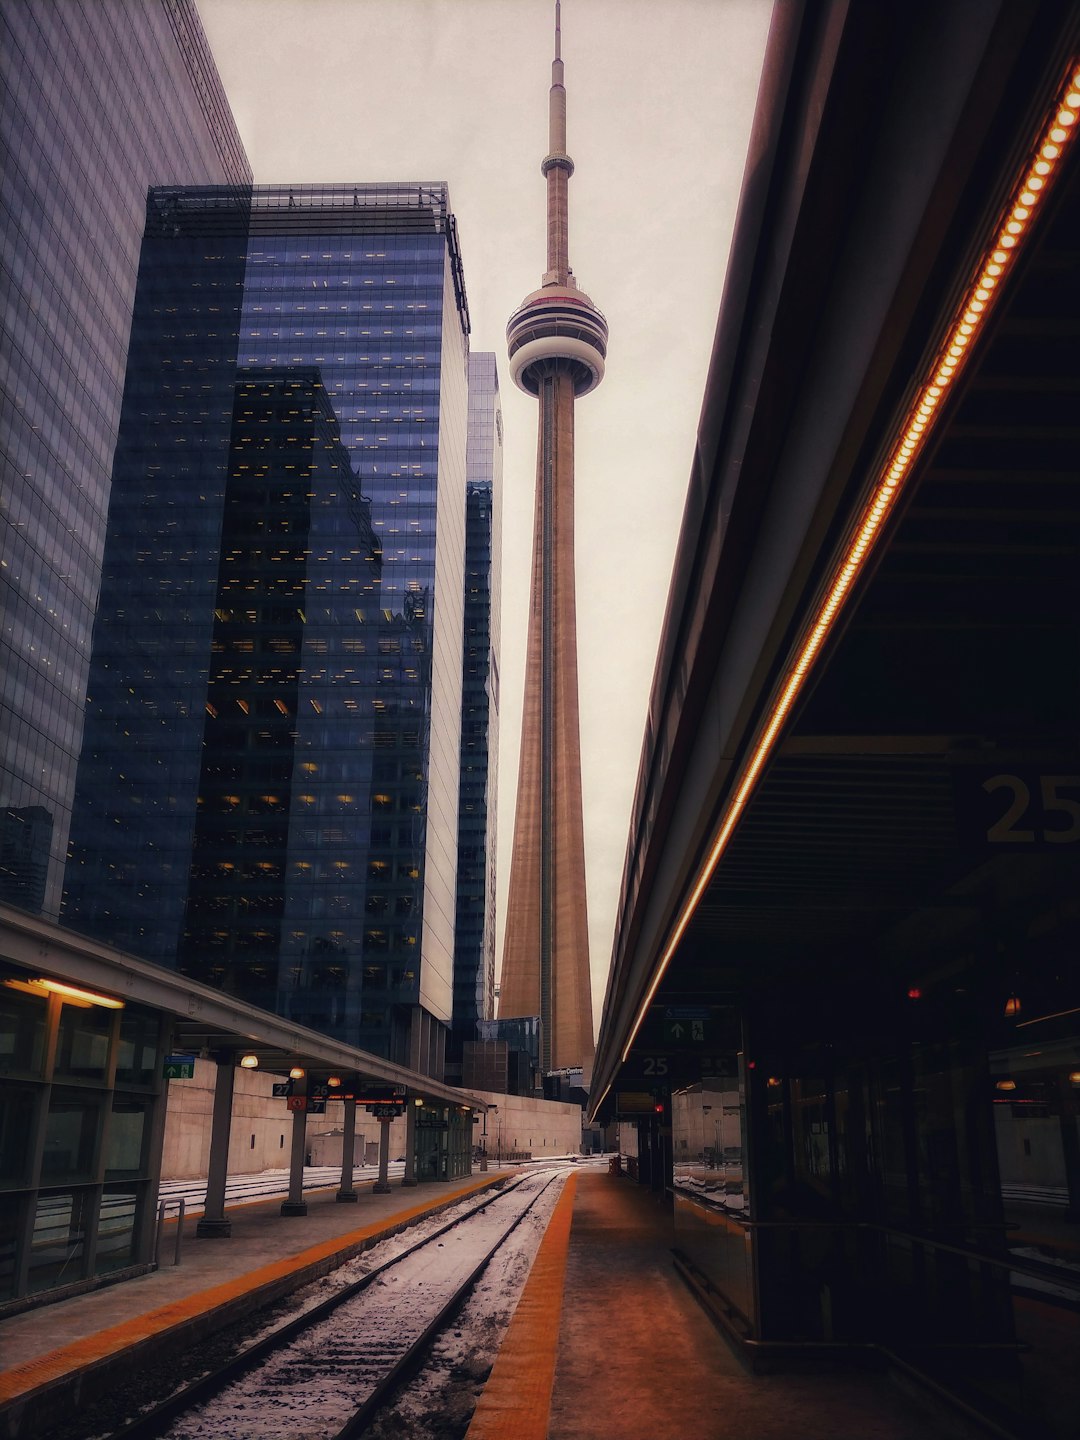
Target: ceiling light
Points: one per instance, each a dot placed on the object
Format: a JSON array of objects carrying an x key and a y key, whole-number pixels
[
  {"x": 249, "y": 1062},
  {"x": 73, "y": 992}
]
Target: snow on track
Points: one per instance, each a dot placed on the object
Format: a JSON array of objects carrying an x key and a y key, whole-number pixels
[{"x": 311, "y": 1387}]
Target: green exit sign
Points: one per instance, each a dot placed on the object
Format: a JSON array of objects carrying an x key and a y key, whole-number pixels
[{"x": 178, "y": 1067}]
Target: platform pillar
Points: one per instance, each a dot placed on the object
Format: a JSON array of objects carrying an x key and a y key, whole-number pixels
[
  {"x": 409, "y": 1178},
  {"x": 382, "y": 1185},
  {"x": 213, "y": 1223},
  {"x": 346, "y": 1194},
  {"x": 296, "y": 1204}
]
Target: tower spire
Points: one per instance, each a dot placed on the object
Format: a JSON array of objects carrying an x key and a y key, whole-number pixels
[{"x": 557, "y": 167}]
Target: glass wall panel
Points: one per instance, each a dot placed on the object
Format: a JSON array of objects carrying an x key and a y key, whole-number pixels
[
  {"x": 268, "y": 767},
  {"x": 22, "y": 1029},
  {"x": 708, "y": 1127},
  {"x": 126, "y": 1135},
  {"x": 82, "y": 1048},
  {"x": 17, "y": 1110},
  {"x": 116, "y": 1228},
  {"x": 71, "y": 1131},
  {"x": 58, "y": 1245},
  {"x": 138, "y": 1050},
  {"x": 99, "y": 102},
  {"x": 10, "y": 1220}
]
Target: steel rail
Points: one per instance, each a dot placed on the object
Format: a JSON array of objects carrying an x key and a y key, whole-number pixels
[{"x": 412, "y": 1360}]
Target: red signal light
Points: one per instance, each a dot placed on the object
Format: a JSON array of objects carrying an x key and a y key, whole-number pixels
[{"x": 914, "y": 993}]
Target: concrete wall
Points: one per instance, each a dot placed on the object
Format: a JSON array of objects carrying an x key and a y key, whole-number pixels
[
  {"x": 1030, "y": 1150},
  {"x": 261, "y": 1127},
  {"x": 325, "y": 1147},
  {"x": 542, "y": 1128},
  {"x": 628, "y": 1137}
]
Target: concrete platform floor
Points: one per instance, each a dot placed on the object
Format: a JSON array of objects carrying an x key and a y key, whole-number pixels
[{"x": 607, "y": 1343}]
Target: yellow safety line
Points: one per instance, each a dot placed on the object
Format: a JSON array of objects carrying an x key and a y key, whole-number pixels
[
  {"x": 81, "y": 1354},
  {"x": 517, "y": 1397}
]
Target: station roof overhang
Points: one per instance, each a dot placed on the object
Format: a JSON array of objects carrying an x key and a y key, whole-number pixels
[
  {"x": 822, "y": 758},
  {"x": 205, "y": 1021}
]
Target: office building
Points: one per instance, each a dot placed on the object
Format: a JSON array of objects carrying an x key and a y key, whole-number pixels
[
  {"x": 268, "y": 792},
  {"x": 557, "y": 341},
  {"x": 474, "y": 931},
  {"x": 98, "y": 103}
]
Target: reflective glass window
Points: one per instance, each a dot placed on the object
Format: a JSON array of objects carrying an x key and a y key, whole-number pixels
[
  {"x": 22, "y": 1030},
  {"x": 10, "y": 1223},
  {"x": 125, "y": 1138},
  {"x": 18, "y": 1106},
  {"x": 71, "y": 1131},
  {"x": 58, "y": 1247},
  {"x": 116, "y": 1228},
  {"x": 138, "y": 1049},
  {"x": 82, "y": 1046}
]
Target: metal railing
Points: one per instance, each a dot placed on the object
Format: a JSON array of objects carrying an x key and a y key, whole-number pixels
[{"x": 179, "y": 1236}]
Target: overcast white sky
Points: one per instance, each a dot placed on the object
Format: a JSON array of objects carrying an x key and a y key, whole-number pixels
[{"x": 660, "y": 99}]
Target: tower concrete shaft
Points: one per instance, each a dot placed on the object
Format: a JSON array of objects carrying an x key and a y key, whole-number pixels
[{"x": 557, "y": 342}]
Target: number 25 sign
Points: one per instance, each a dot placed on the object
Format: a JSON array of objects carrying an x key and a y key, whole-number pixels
[{"x": 1022, "y": 809}]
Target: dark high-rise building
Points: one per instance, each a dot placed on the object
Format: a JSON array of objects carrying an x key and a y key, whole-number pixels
[
  {"x": 474, "y": 931},
  {"x": 557, "y": 340},
  {"x": 268, "y": 792},
  {"x": 97, "y": 102}
]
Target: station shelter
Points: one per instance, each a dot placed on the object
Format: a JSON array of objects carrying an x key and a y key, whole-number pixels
[
  {"x": 843, "y": 1011},
  {"x": 91, "y": 1038}
]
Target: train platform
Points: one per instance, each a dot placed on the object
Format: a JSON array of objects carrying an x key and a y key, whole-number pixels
[
  {"x": 607, "y": 1343},
  {"x": 55, "y": 1356}
]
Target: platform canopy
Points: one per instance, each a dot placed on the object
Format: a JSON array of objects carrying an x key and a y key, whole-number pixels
[
  {"x": 874, "y": 771},
  {"x": 205, "y": 1021}
]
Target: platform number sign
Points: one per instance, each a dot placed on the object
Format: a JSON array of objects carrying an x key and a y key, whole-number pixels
[{"x": 1019, "y": 809}]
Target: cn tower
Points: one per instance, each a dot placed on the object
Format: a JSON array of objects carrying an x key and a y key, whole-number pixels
[{"x": 557, "y": 341}]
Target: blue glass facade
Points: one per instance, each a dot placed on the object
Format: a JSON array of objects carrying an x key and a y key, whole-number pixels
[
  {"x": 474, "y": 938},
  {"x": 97, "y": 102},
  {"x": 268, "y": 791}
]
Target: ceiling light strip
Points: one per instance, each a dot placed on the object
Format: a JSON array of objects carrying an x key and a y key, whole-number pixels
[{"x": 998, "y": 259}]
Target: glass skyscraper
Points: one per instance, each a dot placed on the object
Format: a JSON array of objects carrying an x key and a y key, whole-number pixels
[
  {"x": 97, "y": 102},
  {"x": 474, "y": 939},
  {"x": 268, "y": 792}
]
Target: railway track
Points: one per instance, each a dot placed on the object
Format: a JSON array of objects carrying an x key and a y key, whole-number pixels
[{"x": 330, "y": 1371}]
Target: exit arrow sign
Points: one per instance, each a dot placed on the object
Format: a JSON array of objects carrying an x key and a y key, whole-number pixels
[{"x": 178, "y": 1067}]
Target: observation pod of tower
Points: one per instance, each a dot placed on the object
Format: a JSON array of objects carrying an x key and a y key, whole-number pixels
[{"x": 558, "y": 322}]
